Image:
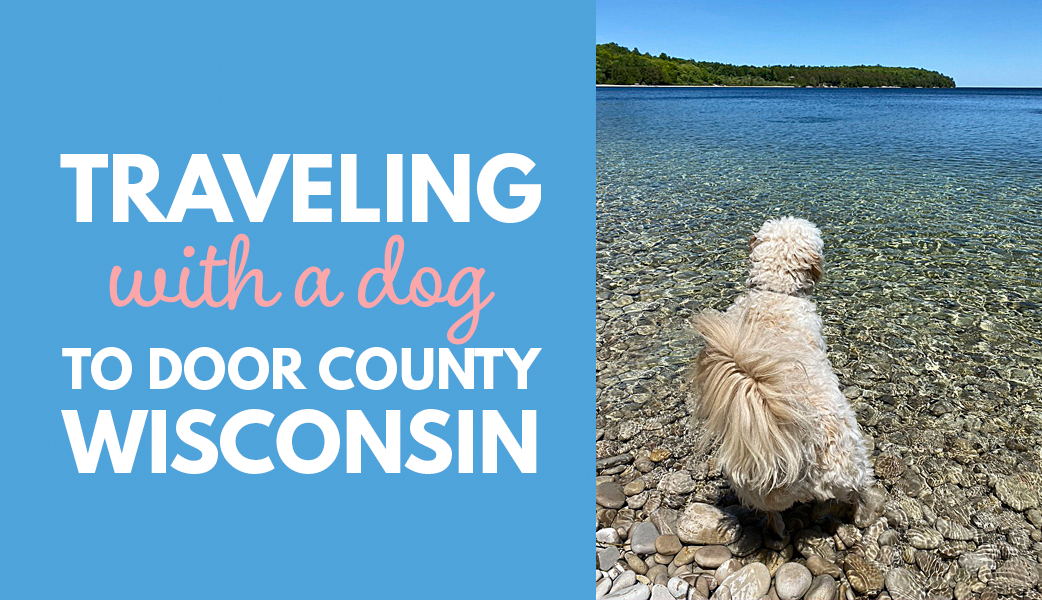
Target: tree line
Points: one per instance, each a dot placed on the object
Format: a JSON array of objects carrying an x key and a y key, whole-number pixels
[{"x": 621, "y": 66}]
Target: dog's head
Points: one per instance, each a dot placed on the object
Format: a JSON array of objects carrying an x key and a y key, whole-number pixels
[{"x": 786, "y": 256}]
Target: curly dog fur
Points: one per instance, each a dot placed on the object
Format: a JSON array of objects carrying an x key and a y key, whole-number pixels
[{"x": 768, "y": 394}]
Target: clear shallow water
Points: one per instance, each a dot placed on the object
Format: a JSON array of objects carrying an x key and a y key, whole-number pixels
[{"x": 930, "y": 203}]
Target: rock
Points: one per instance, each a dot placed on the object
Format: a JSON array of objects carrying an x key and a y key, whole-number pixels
[
  {"x": 711, "y": 557},
  {"x": 703, "y": 524},
  {"x": 750, "y": 541},
  {"x": 792, "y": 580},
  {"x": 667, "y": 545},
  {"x": 864, "y": 577},
  {"x": 889, "y": 538},
  {"x": 608, "y": 535},
  {"x": 634, "y": 487},
  {"x": 663, "y": 559},
  {"x": 677, "y": 587},
  {"x": 677, "y": 483},
  {"x": 659, "y": 576},
  {"x": 870, "y": 507},
  {"x": 603, "y": 587},
  {"x": 905, "y": 584},
  {"x": 1014, "y": 576},
  {"x": 924, "y": 538},
  {"x": 659, "y": 455},
  {"x": 769, "y": 558},
  {"x": 638, "y": 501},
  {"x": 751, "y": 582},
  {"x": 974, "y": 561},
  {"x": 610, "y": 495},
  {"x": 701, "y": 587},
  {"x": 637, "y": 565},
  {"x": 642, "y": 538},
  {"x": 819, "y": 566},
  {"x": 954, "y": 531},
  {"x": 624, "y": 520},
  {"x": 623, "y": 581},
  {"x": 824, "y": 587},
  {"x": 665, "y": 520},
  {"x": 660, "y": 592},
  {"x": 686, "y": 556},
  {"x": 656, "y": 572},
  {"x": 614, "y": 461},
  {"x": 1016, "y": 492},
  {"x": 607, "y": 557},
  {"x": 814, "y": 542},
  {"x": 639, "y": 591},
  {"x": 725, "y": 570},
  {"x": 643, "y": 464}
]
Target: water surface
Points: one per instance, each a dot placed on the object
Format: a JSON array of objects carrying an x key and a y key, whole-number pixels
[{"x": 930, "y": 203}]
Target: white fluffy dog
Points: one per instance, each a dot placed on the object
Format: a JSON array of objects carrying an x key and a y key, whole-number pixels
[{"x": 768, "y": 392}]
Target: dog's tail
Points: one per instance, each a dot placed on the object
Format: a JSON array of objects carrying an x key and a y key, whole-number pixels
[{"x": 748, "y": 404}]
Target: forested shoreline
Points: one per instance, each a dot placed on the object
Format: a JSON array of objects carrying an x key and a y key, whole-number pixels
[{"x": 617, "y": 65}]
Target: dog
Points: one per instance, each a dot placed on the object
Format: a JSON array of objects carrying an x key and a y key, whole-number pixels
[{"x": 766, "y": 391}]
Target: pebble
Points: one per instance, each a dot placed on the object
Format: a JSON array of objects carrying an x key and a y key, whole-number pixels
[
  {"x": 635, "y": 563},
  {"x": 668, "y": 545},
  {"x": 623, "y": 581},
  {"x": 750, "y": 541},
  {"x": 677, "y": 587},
  {"x": 634, "y": 487},
  {"x": 1015, "y": 576},
  {"x": 607, "y": 557},
  {"x": 660, "y": 592},
  {"x": 610, "y": 495},
  {"x": 824, "y": 587},
  {"x": 677, "y": 483},
  {"x": 973, "y": 561},
  {"x": 639, "y": 591},
  {"x": 924, "y": 538},
  {"x": 1017, "y": 493},
  {"x": 792, "y": 580},
  {"x": 658, "y": 574},
  {"x": 819, "y": 566},
  {"x": 659, "y": 455},
  {"x": 724, "y": 570},
  {"x": 603, "y": 587},
  {"x": 905, "y": 584},
  {"x": 751, "y": 582},
  {"x": 711, "y": 557},
  {"x": 704, "y": 524},
  {"x": 686, "y": 556},
  {"x": 642, "y": 538},
  {"x": 665, "y": 520},
  {"x": 870, "y": 507},
  {"x": 608, "y": 535},
  {"x": 864, "y": 577}
]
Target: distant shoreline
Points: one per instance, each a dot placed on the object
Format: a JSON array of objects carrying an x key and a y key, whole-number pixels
[
  {"x": 639, "y": 85},
  {"x": 619, "y": 65},
  {"x": 790, "y": 87}
]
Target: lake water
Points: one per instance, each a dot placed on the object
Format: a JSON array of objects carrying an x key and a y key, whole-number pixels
[{"x": 930, "y": 204}]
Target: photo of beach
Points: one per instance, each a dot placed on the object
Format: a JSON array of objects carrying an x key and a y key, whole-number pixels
[{"x": 929, "y": 202}]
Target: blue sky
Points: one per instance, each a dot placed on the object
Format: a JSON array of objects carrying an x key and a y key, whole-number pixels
[{"x": 978, "y": 43}]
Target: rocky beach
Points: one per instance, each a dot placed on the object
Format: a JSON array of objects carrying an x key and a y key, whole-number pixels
[{"x": 932, "y": 311}]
